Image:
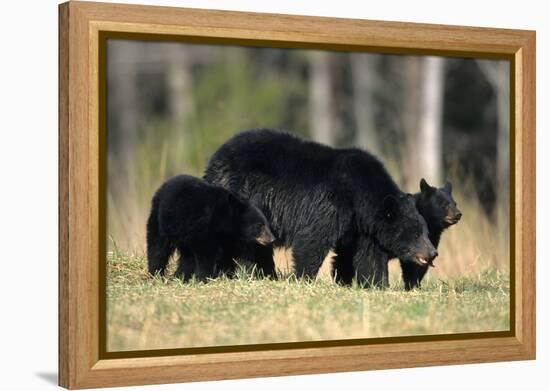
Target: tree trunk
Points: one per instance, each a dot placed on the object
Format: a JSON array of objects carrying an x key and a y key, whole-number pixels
[
  {"x": 123, "y": 72},
  {"x": 364, "y": 78},
  {"x": 411, "y": 97},
  {"x": 320, "y": 111},
  {"x": 180, "y": 86},
  {"x": 431, "y": 118},
  {"x": 423, "y": 118},
  {"x": 497, "y": 74}
]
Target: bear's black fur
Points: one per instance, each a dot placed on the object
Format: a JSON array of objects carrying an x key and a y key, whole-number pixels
[
  {"x": 317, "y": 198},
  {"x": 205, "y": 223},
  {"x": 439, "y": 209}
]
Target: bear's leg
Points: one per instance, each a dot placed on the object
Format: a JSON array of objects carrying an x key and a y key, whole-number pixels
[
  {"x": 244, "y": 256},
  {"x": 159, "y": 248},
  {"x": 370, "y": 263},
  {"x": 264, "y": 261},
  {"x": 308, "y": 254},
  {"x": 158, "y": 254},
  {"x": 225, "y": 264},
  {"x": 342, "y": 269},
  {"x": 186, "y": 265},
  {"x": 412, "y": 274},
  {"x": 206, "y": 262},
  {"x": 256, "y": 256}
]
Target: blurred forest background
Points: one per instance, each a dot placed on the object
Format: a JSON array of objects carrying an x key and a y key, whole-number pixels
[{"x": 171, "y": 105}]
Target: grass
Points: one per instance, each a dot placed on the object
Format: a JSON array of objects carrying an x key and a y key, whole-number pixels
[
  {"x": 158, "y": 313},
  {"x": 468, "y": 291}
]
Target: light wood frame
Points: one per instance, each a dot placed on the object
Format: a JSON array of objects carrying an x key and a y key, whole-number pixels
[{"x": 81, "y": 364}]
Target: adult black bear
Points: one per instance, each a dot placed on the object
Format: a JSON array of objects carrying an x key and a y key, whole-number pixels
[
  {"x": 439, "y": 209},
  {"x": 205, "y": 223},
  {"x": 317, "y": 198}
]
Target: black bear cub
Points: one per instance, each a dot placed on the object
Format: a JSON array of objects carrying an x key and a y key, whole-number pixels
[
  {"x": 206, "y": 224},
  {"x": 438, "y": 208}
]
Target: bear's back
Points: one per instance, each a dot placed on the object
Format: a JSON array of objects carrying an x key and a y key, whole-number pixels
[
  {"x": 271, "y": 153},
  {"x": 282, "y": 157}
]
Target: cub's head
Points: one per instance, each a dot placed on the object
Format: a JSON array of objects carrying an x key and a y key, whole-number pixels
[
  {"x": 437, "y": 205},
  {"x": 252, "y": 224},
  {"x": 403, "y": 232}
]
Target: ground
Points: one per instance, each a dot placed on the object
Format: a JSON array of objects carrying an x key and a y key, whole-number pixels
[{"x": 145, "y": 313}]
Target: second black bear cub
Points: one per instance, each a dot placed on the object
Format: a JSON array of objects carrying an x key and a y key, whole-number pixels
[
  {"x": 205, "y": 223},
  {"x": 438, "y": 208}
]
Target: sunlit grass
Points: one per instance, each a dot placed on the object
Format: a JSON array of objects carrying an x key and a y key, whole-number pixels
[
  {"x": 467, "y": 291},
  {"x": 159, "y": 313}
]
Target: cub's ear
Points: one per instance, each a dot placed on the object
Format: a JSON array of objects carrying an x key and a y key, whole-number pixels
[
  {"x": 448, "y": 186},
  {"x": 390, "y": 206},
  {"x": 425, "y": 188},
  {"x": 256, "y": 200}
]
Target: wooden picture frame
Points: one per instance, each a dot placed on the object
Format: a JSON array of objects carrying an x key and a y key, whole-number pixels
[{"x": 82, "y": 360}]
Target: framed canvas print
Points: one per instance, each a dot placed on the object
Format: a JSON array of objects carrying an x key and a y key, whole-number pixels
[{"x": 247, "y": 195}]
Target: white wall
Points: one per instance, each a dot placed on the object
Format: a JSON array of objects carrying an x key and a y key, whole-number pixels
[{"x": 28, "y": 207}]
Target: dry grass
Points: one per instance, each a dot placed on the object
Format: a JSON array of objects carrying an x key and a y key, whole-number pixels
[
  {"x": 147, "y": 313},
  {"x": 468, "y": 291}
]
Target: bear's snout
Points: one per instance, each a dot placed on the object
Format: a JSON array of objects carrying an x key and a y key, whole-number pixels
[
  {"x": 266, "y": 237},
  {"x": 427, "y": 256},
  {"x": 453, "y": 216}
]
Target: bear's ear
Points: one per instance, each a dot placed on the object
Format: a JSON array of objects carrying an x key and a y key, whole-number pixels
[
  {"x": 448, "y": 187},
  {"x": 391, "y": 206},
  {"x": 425, "y": 188}
]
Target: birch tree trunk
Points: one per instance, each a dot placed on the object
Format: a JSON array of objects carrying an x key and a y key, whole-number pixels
[
  {"x": 431, "y": 118},
  {"x": 424, "y": 82},
  {"x": 412, "y": 71}
]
